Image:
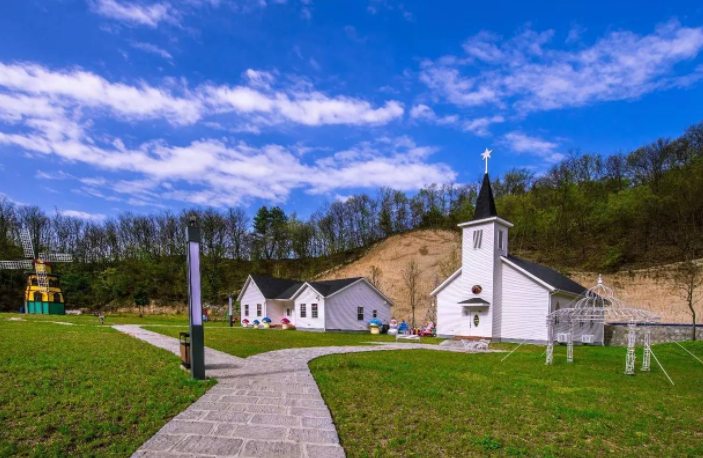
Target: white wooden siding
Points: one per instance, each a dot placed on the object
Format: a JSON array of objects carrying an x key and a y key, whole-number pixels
[
  {"x": 451, "y": 320},
  {"x": 309, "y": 296},
  {"x": 477, "y": 268},
  {"x": 497, "y": 305},
  {"x": 525, "y": 307},
  {"x": 341, "y": 308},
  {"x": 276, "y": 310},
  {"x": 252, "y": 296}
]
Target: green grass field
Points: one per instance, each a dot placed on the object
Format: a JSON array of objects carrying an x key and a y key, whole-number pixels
[
  {"x": 245, "y": 342},
  {"x": 422, "y": 403},
  {"x": 83, "y": 390}
]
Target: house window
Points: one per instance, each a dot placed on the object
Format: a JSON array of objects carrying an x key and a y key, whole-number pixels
[
  {"x": 360, "y": 313},
  {"x": 475, "y": 320},
  {"x": 287, "y": 312},
  {"x": 258, "y": 309},
  {"x": 303, "y": 314},
  {"x": 500, "y": 240},
  {"x": 478, "y": 238},
  {"x": 314, "y": 310},
  {"x": 375, "y": 313},
  {"x": 246, "y": 309}
]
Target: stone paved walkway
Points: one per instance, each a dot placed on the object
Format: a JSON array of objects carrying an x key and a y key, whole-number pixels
[{"x": 267, "y": 405}]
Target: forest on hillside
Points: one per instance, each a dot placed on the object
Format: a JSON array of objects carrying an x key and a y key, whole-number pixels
[{"x": 589, "y": 211}]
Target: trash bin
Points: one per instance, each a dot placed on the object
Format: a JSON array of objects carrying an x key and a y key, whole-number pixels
[{"x": 185, "y": 349}]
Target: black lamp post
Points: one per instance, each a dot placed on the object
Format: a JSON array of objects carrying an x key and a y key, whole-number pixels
[{"x": 195, "y": 307}]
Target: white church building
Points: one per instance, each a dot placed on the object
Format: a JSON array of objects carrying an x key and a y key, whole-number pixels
[{"x": 495, "y": 295}]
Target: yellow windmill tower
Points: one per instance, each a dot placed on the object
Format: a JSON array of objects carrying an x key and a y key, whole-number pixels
[{"x": 43, "y": 293}]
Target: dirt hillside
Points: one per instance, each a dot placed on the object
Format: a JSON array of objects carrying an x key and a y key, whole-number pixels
[{"x": 436, "y": 253}]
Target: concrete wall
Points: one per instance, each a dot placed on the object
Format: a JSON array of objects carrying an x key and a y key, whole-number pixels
[{"x": 616, "y": 334}]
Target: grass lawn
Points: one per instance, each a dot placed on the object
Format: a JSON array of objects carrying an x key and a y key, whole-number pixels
[
  {"x": 422, "y": 403},
  {"x": 83, "y": 390},
  {"x": 244, "y": 342}
]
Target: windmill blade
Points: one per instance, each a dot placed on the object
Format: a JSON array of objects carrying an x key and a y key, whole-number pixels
[
  {"x": 42, "y": 279},
  {"x": 27, "y": 244},
  {"x": 55, "y": 257},
  {"x": 15, "y": 265}
]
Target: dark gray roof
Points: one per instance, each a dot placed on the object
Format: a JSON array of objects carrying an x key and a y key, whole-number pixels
[
  {"x": 272, "y": 287},
  {"x": 280, "y": 288},
  {"x": 485, "y": 205},
  {"x": 329, "y": 287},
  {"x": 475, "y": 300},
  {"x": 547, "y": 275}
]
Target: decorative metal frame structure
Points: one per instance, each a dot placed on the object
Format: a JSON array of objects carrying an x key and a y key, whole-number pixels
[{"x": 599, "y": 305}]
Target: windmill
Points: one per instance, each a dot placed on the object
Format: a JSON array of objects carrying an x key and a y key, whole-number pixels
[{"x": 43, "y": 293}]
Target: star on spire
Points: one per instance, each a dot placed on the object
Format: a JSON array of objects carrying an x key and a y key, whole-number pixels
[{"x": 486, "y": 155}]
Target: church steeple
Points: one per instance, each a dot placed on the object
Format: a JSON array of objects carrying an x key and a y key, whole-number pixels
[{"x": 485, "y": 205}]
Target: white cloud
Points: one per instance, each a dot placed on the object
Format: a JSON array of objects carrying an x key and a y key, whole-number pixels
[
  {"x": 425, "y": 113},
  {"x": 36, "y": 91},
  {"x": 218, "y": 172},
  {"x": 60, "y": 89},
  {"x": 479, "y": 126},
  {"x": 523, "y": 73},
  {"x": 152, "y": 49},
  {"x": 134, "y": 13},
  {"x": 82, "y": 215},
  {"x": 375, "y": 5},
  {"x": 522, "y": 143}
]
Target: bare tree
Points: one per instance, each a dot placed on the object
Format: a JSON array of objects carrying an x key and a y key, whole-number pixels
[
  {"x": 689, "y": 278},
  {"x": 450, "y": 264},
  {"x": 411, "y": 277},
  {"x": 374, "y": 276}
]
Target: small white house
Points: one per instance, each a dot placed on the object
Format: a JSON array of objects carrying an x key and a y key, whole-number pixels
[
  {"x": 333, "y": 305},
  {"x": 495, "y": 295}
]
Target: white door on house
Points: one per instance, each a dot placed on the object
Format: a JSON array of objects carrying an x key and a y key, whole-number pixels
[{"x": 473, "y": 322}]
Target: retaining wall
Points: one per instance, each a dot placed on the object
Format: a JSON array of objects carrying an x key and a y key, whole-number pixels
[{"x": 616, "y": 334}]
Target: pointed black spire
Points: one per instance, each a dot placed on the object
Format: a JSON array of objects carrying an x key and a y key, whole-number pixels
[{"x": 485, "y": 205}]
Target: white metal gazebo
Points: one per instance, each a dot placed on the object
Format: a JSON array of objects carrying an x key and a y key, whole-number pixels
[{"x": 596, "y": 307}]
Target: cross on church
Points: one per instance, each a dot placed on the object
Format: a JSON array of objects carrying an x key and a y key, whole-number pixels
[{"x": 487, "y": 155}]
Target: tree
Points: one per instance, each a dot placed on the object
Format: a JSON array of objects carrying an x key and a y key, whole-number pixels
[
  {"x": 450, "y": 264},
  {"x": 141, "y": 299},
  {"x": 689, "y": 277},
  {"x": 411, "y": 278},
  {"x": 374, "y": 276}
]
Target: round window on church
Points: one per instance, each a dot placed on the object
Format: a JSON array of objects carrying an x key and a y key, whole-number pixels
[
  {"x": 476, "y": 289},
  {"x": 475, "y": 320}
]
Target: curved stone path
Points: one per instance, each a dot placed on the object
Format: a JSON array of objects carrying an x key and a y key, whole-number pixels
[{"x": 267, "y": 405}]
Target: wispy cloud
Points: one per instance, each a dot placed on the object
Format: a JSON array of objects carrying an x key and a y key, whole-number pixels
[
  {"x": 522, "y": 73},
  {"x": 83, "y": 215},
  {"x": 375, "y": 6},
  {"x": 135, "y": 13},
  {"x": 522, "y": 143},
  {"x": 152, "y": 49},
  {"x": 54, "y": 113},
  {"x": 37, "y": 92},
  {"x": 425, "y": 113},
  {"x": 479, "y": 126}
]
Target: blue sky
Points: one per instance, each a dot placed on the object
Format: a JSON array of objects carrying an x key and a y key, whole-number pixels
[{"x": 147, "y": 105}]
